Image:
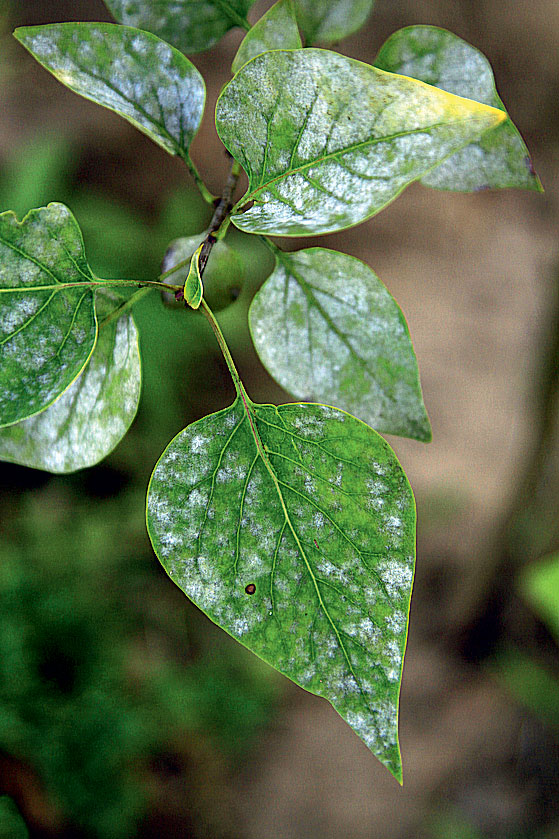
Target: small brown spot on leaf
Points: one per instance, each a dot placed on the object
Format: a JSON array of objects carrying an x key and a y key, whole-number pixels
[{"x": 250, "y": 589}]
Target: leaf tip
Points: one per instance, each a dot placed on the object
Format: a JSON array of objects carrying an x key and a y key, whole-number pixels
[{"x": 425, "y": 432}]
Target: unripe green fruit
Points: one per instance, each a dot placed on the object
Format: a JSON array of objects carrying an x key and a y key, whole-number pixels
[{"x": 223, "y": 277}]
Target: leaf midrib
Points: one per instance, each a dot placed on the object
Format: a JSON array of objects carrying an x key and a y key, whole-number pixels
[
  {"x": 250, "y": 195},
  {"x": 248, "y": 408}
]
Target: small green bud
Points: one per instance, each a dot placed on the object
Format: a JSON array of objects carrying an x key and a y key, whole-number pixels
[{"x": 223, "y": 276}]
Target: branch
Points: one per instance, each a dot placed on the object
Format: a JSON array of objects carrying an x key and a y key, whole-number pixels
[{"x": 222, "y": 210}]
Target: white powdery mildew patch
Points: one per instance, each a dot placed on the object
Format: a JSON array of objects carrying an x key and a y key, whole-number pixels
[
  {"x": 17, "y": 312},
  {"x": 308, "y": 424},
  {"x": 332, "y": 572},
  {"x": 396, "y": 622},
  {"x": 378, "y": 732},
  {"x": 397, "y": 577},
  {"x": 199, "y": 443}
]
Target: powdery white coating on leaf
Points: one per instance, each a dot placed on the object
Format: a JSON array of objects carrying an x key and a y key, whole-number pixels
[
  {"x": 331, "y": 20},
  {"x": 326, "y": 328},
  {"x": 134, "y": 73},
  {"x": 332, "y": 575},
  {"x": 47, "y": 330},
  {"x": 83, "y": 425},
  {"x": 440, "y": 58},
  {"x": 277, "y": 29},
  {"x": 328, "y": 141},
  {"x": 190, "y": 25}
]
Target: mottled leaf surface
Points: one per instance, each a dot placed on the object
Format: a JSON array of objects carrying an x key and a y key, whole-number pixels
[
  {"x": 135, "y": 74},
  {"x": 275, "y": 30},
  {"x": 193, "y": 289},
  {"x": 326, "y": 328},
  {"x": 331, "y": 20},
  {"x": 47, "y": 318},
  {"x": 440, "y": 58},
  {"x": 293, "y": 528},
  {"x": 190, "y": 25},
  {"x": 327, "y": 141},
  {"x": 86, "y": 423}
]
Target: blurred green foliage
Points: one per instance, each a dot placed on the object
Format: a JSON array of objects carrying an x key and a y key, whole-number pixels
[
  {"x": 452, "y": 825},
  {"x": 540, "y": 586},
  {"x": 107, "y": 677},
  {"x": 12, "y": 825},
  {"x": 532, "y": 682}
]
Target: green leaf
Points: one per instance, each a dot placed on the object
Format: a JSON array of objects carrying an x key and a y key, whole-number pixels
[
  {"x": 86, "y": 423},
  {"x": 331, "y": 20},
  {"x": 275, "y": 30},
  {"x": 498, "y": 159},
  {"x": 47, "y": 318},
  {"x": 133, "y": 73},
  {"x": 190, "y": 25},
  {"x": 293, "y": 528},
  {"x": 540, "y": 586},
  {"x": 327, "y": 141},
  {"x": 326, "y": 328},
  {"x": 193, "y": 289}
]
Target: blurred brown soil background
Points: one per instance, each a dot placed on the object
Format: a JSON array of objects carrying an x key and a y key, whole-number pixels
[{"x": 476, "y": 276}]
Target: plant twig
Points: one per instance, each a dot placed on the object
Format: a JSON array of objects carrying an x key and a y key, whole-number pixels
[{"x": 222, "y": 210}]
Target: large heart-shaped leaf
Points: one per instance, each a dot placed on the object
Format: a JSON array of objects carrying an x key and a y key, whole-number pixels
[
  {"x": 85, "y": 424},
  {"x": 293, "y": 528},
  {"x": 326, "y": 328},
  {"x": 440, "y": 58},
  {"x": 277, "y": 29},
  {"x": 47, "y": 319},
  {"x": 135, "y": 74},
  {"x": 190, "y": 25},
  {"x": 328, "y": 141},
  {"x": 331, "y": 20}
]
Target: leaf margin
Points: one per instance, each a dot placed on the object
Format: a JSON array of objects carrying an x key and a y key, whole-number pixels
[{"x": 78, "y": 231}]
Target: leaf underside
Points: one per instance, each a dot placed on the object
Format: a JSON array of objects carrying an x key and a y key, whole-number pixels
[
  {"x": 133, "y": 73},
  {"x": 500, "y": 158},
  {"x": 86, "y": 423},
  {"x": 277, "y": 29},
  {"x": 331, "y": 20},
  {"x": 301, "y": 546},
  {"x": 47, "y": 329},
  {"x": 328, "y": 141},
  {"x": 326, "y": 328},
  {"x": 190, "y": 25}
]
